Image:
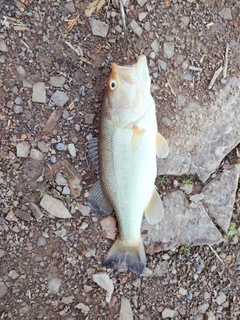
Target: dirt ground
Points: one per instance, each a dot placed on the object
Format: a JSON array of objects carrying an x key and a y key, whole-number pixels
[{"x": 193, "y": 283}]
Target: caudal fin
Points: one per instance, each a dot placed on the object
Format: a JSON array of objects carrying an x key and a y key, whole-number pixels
[{"x": 131, "y": 257}]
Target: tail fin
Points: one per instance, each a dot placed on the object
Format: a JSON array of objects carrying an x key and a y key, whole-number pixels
[{"x": 131, "y": 257}]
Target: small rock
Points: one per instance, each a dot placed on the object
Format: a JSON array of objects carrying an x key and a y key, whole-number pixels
[
  {"x": 57, "y": 81},
  {"x": 162, "y": 65},
  {"x": 166, "y": 121},
  {"x": 141, "y": 2},
  {"x": 168, "y": 313},
  {"x": 125, "y": 310},
  {"x": 108, "y": 225},
  {"x": 181, "y": 100},
  {"x": 147, "y": 26},
  {"x": 226, "y": 14},
  {"x": 60, "y": 180},
  {"x": 197, "y": 197},
  {"x": 68, "y": 300},
  {"x": 3, "y": 46},
  {"x": 59, "y": 98},
  {"x": 17, "y": 109},
  {"x": 26, "y": 84},
  {"x": 24, "y": 310},
  {"x": 13, "y": 274},
  {"x": 23, "y": 149},
  {"x": 168, "y": 48},
  {"x": 103, "y": 280},
  {"x": 36, "y": 155},
  {"x": 53, "y": 159},
  {"x": 136, "y": 28},
  {"x": 21, "y": 71},
  {"x": 89, "y": 118},
  {"x": 155, "y": 46},
  {"x": 203, "y": 308},
  {"x": 52, "y": 120},
  {"x": 65, "y": 114},
  {"x": 161, "y": 269},
  {"x": 35, "y": 211},
  {"x": 2, "y": 253},
  {"x": 41, "y": 242},
  {"x": 182, "y": 291},
  {"x": 221, "y": 298},
  {"x": 2, "y": 58},
  {"x": 3, "y": 289},
  {"x": 66, "y": 190},
  {"x": 23, "y": 215},
  {"x": 42, "y": 145},
  {"x": 18, "y": 100},
  {"x": 72, "y": 150},
  {"x": 85, "y": 210},
  {"x": 185, "y": 21},
  {"x": 39, "y": 92},
  {"x": 142, "y": 15},
  {"x": 70, "y": 7},
  {"x": 60, "y": 146},
  {"x": 99, "y": 28},
  {"x": 55, "y": 207},
  {"x": 82, "y": 307},
  {"x": 54, "y": 285}
]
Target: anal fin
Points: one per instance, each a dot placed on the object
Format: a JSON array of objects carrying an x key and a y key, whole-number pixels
[
  {"x": 154, "y": 211},
  {"x": 97, "y": 200},
  {"x": 162, "y": 148}
]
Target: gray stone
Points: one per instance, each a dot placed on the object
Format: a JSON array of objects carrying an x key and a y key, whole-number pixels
[
  {"x": 24, "y": 310},
  {"x": 221, "y": 298},
  {"x": 26, "y": 84},
  {"x": 65, "y": 114},
  {"x": 72, "y": 150},
  {"x": 182, "y": 291},
  {"x": 39, "y": 93},
  {"x": 70, "y": 7},
  {"x": 147, "y": 26},
  {"x": 57, "y": 81},
  {"x": 168, "y": 313},
  {"x": 141, "y": 2},
  {"x": 41, "y": 242},
  {"x": 82, "y": 307},
  {"x": 54, "y": 285},
  {"x": 60, "y": 180},
  {"x": 3, "y": 289},
  {"x": 66, "y": 190},
  {"x": 60, "y": 146},
  {"x": 89, "y": 118},
  {"x": 18, "y": 100},
  {"x": 59, "y": 98},
  {"x": 136, "y": 28},
  {"x": 85, "y": 210},
  {"x": 162, "y": 65},
  {"x": 226, "y": 14},
  {"x": 142, "y": 15},
  {"x": 161, "y": 269},
  {"x": 68, "y": 300},
  {"x": 55, "y": 207},
  {"x": 17, "y": 109},
  {"x": 13, "y": 274},
  {"x": 23, "y": 149},
  {"x": 3, "y": 46},
  {"x": 2, "y": 58},
  {"x": 36, "y": 154},
  {"x": 99, "y": 28},
  {"x": 42, "y": 145},
  {"x": 181, "y": 100},
  {"x": 126, "y": 312},
  {"x": 2, "y": 253},
  {"x": 203, "y": 308},
  {"x": 168, "y": 49},
  {"x": 21, "y": 71},
  {"x": 196, "y": 197},
  {"x": 166, "y": 121},
  {"x": 155, "y": 46}
]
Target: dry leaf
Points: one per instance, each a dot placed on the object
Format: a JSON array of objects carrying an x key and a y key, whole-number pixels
[{"x": 94, "y": 6}]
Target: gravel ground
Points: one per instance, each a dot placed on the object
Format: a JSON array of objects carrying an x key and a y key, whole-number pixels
[{"x": 52, "y": 81}]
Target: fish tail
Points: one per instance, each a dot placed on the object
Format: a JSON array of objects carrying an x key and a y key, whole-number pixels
[{"x": 122, "y": 255}]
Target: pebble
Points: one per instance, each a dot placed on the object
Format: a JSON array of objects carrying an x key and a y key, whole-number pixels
[
  {"x": 2, "y": 58},
  {"x": 226, "y": 14},
  {"x": 65, "y": 114},
  {"x": 3, "y": 46},
  {"x": 197, "y": 197},
  {"x": 147, "y": 26},
  {"x": 126, "y": 312},
  {"x": 99, "y": 28},
  {"x": 85, "y": 210},
  {"x": 13, "y": 274},
  {"x": 3, "y": 289},
  {"x": 82, "y": 307},
  {"x": 155, "y": 46},
  {"x": 72, "y": 150},
  {"x": 26, "y": 84},
  {"x": 162, "y": 64},
  {"x": 41, "y": 242},
  {"x": 136, "y": 28},
  {"x": 54, "y": 285},
  {"x": 168, "y": 313},
  {"x": 182, "y": 291},
  {"x": 36, "y": 155},
  {"x": 141, "y": 2},
  {"x": 203, "y": 308},
  {"x": 53, "y": 159},
  {"x": 142, "y": 15},
  {"x": 60, "y": 180},
  {"x": 39, "y": 93},
  {"x": 42, "y": 145},
  {"x": 161, "y": 269},
  {"x": 181, "y": 100},
  {"x": 168, "y": 49},
  {"x": 221, "y": 298},
  {"x": 60, "y": 146},
  {"x": 52, "y": 120},
  {"x": 35, "y": 210},
  {"x": 18, "y": 100},
  {"x": 55, "y": 207},
  {"x": 66, "y": 190},
  {"x": 23, "y": 149},
  {"x": 59, "y": 98},
  {"x": 17, "y": 109},
  {"x": 166, "y": 121},
  {"x": 21, "y": 71},
  {"x": 77, "y": 127},
  {"x": 68, "y": 300},
  {"x": 89, "y": 118},
  {"x": 2, "y": 253},
  {"x": 24, "y": 310},
  {"x": 57, "y": 81},
  {"x": 23, "y": 215}
]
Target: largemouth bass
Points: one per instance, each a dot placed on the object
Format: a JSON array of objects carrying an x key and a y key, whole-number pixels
[{"x": 126, "y": 158}]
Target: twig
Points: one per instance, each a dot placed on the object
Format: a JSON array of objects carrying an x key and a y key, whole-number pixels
[
  {"x": 122, "y": 14},
  {"x": 225, "y": 63},
  {"x": 195, "y": 68},
  {"x": 71, "y": 22},
  {"x": 171, "y": 89},
  {"x": 214, "y": 78},
  {"x": 78, "y": 50},
  {"x": 27, "y": 46},
  {"x": 216, "y": 254}
]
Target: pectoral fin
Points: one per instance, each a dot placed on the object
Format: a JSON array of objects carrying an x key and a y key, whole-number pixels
[
  {"x": 162, "y": 149},
  {"x": 154, "y": 211},
  {"x": 98, "y": 201},
  {"x": 136, "y": 138}
]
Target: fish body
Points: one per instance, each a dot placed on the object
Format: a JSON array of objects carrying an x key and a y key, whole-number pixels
[{"x": 128, "y": 144}]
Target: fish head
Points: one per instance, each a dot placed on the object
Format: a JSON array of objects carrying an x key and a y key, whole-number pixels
[{"x": 127, "y": 93}]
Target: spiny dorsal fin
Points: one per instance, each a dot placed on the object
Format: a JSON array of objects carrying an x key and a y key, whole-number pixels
[
  {"x": 154, "y": 211},
  {"x": 162, "y": 149}
]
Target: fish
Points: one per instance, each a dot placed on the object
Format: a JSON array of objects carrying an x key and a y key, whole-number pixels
[{"x": 125, "y": 158}]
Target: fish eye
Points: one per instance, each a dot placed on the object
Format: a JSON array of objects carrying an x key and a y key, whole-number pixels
[{"x": 113, "y": 84}]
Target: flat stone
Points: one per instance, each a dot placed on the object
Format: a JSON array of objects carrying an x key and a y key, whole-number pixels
[
  {"x": 39, "y": 93},
  {"x": 2, "y": 253},
  {"x": 168, "y": 49},
  {"x": 70, "y": 7},
  {"x": 35, "y": 210},
  {"x": 43, "y": 146},
  {"x": 23, "y": 215},
  {"x": 136, "y": 28},
  {"x": 3, "y": 289},
  {"x": 85, "y": 210},
  {"x": 24, "y": 310},
  {"x": 66, "y": 190},
  {"x": 226, "y": 14},
  {"x": 161, "y": 269},
  {"x": 182, "y": 291},
  {"x": 126, "y": 312},
  {"x": 155, "y": 46},
  {"x": 23, "y": 149},
  {"x": 41, "y": 242},
  {"x": 221, "y": 298},
  {"x": 17, "y": 109},
  {"x": 59, "y": 98},
  {"x": 3, "y": 46},
  {"x": 141, "y": 2},
  {"x": 99, "y": 28},
  {"x": 52, "y": 120},
  {"x": 36, "y": 154},
  {"x": 55, "y": 207},
  {"x": 142, "y": 16},
  {"x": 60, "y": 180},
  {"x": 54, "y": 285},
  {"x": 72, "y": 150},
  {"x": 82, "y": 307},
  {"x": 2, "y": 58},
  {"x": 89, "y": 118},
  {"x": 57, "y": 81},
  {"x": 21, "y": 71},
  {"x": 168, "y": 313},
  {"x": 68, "y": 299},
  {"x": 13, "y": 274}
]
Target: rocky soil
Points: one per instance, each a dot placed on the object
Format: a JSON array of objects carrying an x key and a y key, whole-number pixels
[{"x": 55, "y": 57}]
